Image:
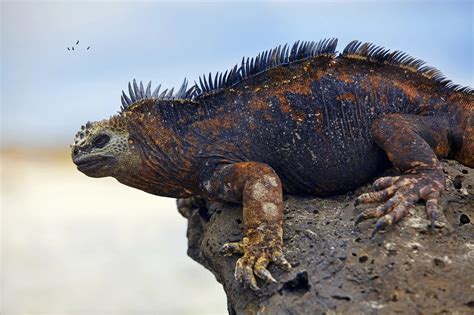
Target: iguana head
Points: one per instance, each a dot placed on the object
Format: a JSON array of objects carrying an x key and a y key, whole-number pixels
[{"x": 100, "y": 147}]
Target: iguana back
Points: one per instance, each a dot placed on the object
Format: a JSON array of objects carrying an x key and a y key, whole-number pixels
[{"x": 309, "y": 119}]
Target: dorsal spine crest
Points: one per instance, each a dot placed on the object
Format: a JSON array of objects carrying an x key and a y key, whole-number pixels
[{"x": 282, "y": 56}]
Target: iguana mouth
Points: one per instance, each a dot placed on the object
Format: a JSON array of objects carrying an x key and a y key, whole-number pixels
[{"x": 91, "y": 161}]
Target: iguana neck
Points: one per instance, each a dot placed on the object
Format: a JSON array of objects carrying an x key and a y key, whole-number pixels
[
  {"x": 159, "y": 158},
  {"x": 152, "y": 175}
]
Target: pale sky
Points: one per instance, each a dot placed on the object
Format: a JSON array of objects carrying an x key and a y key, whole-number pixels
[{"x": 48, "y": 92}]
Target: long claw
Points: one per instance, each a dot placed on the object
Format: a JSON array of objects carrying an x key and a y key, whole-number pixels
[
  {"x": 361, "y": 217},
  {"x": 433, "y": 221},
  {"x": 249, "y": 278},
  {"x": 432, "y": 210},
  {"x": 231, "y": 248},
  {"x": 361, "y": 199},
  {"x": 239, "y": 268},
  {"x": 261, "y": 270},
  {"x": 384, "y": 182},
  {"x": 381, "y": 223},
  {"x": 264, "y": 274},
  {"x": 376, "y": 196},
  {"x": 281, "y": 261},
  {"x": 433, "y": 217},
  {"x": 372, "y": 213}
]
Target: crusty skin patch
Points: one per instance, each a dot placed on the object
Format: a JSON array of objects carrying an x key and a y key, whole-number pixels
[
  {"x": 271, "y": 180},
  {"x": 259, "y": 191},
  {"x": 270, "y": 208},
  {"x": 350, "y": 97}
]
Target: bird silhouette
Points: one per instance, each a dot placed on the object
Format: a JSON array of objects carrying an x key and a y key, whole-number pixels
[
  {"x": 72, "y": 48},
  {"x": 77, "y": 42},
  {"x": 68, "y": 48},
  {"x": 88, "y": 47}
]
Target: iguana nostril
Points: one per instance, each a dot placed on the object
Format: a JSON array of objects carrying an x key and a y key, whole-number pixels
[{"x": 75, "y": 151}]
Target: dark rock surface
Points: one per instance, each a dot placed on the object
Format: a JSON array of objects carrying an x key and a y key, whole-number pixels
[{"x": 406, "y": 269}]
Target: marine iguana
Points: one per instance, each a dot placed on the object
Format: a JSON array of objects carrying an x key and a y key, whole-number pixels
[{"x": 297, "y": 120}]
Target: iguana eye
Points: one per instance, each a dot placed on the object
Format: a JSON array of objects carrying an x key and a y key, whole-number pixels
[{"x": 100, "y": 141}]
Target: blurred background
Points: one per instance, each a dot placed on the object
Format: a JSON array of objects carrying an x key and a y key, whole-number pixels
[{"x": 77, "y": 245}]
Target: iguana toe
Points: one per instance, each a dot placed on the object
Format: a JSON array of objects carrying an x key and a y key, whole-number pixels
[
  {"x": 187, "y": 205},
  {"x": 231, "y": 248},
  {"x": 400, "y": 193},
  {"x": 255, "y": 260}
]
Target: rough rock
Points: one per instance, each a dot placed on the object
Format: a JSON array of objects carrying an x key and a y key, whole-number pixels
[{"x": 408, "y": 268}]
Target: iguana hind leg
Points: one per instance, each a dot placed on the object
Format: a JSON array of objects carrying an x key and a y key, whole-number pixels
[
  {"x": 412, "y": 143},
  {"x": 187, "y": 205},
  {"x": 258, "y": 188}
]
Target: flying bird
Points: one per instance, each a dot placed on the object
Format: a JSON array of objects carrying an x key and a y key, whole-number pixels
[
  {"x": 68, "y": 48},
  {"x": 72, "y": 48},
  {"x": 77, "y": 42},
  {"x": 88, "y": 47}
]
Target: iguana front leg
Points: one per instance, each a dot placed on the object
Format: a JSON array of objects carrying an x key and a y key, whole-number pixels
[
  {"x": 412, "y": 143},
  {"x": 258, "y": 188}
]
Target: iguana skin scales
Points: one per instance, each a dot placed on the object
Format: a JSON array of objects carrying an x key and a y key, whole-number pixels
[{"x": 299, "y": 120}]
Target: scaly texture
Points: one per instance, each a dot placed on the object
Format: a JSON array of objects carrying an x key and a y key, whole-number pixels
[{"x": 299, "y": 120}]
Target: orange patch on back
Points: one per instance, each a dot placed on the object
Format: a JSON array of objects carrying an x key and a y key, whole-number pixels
[{"x": 346, "y": 97}]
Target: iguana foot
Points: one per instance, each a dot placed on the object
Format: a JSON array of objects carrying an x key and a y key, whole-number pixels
[
  {"x": 187, "y": 205},
  {"x": 399, "y": 194},
  {"x": 257, "y": 252}
]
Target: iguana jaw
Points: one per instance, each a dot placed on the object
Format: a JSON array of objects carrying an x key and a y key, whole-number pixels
[{"x": 96, "y": 165}]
